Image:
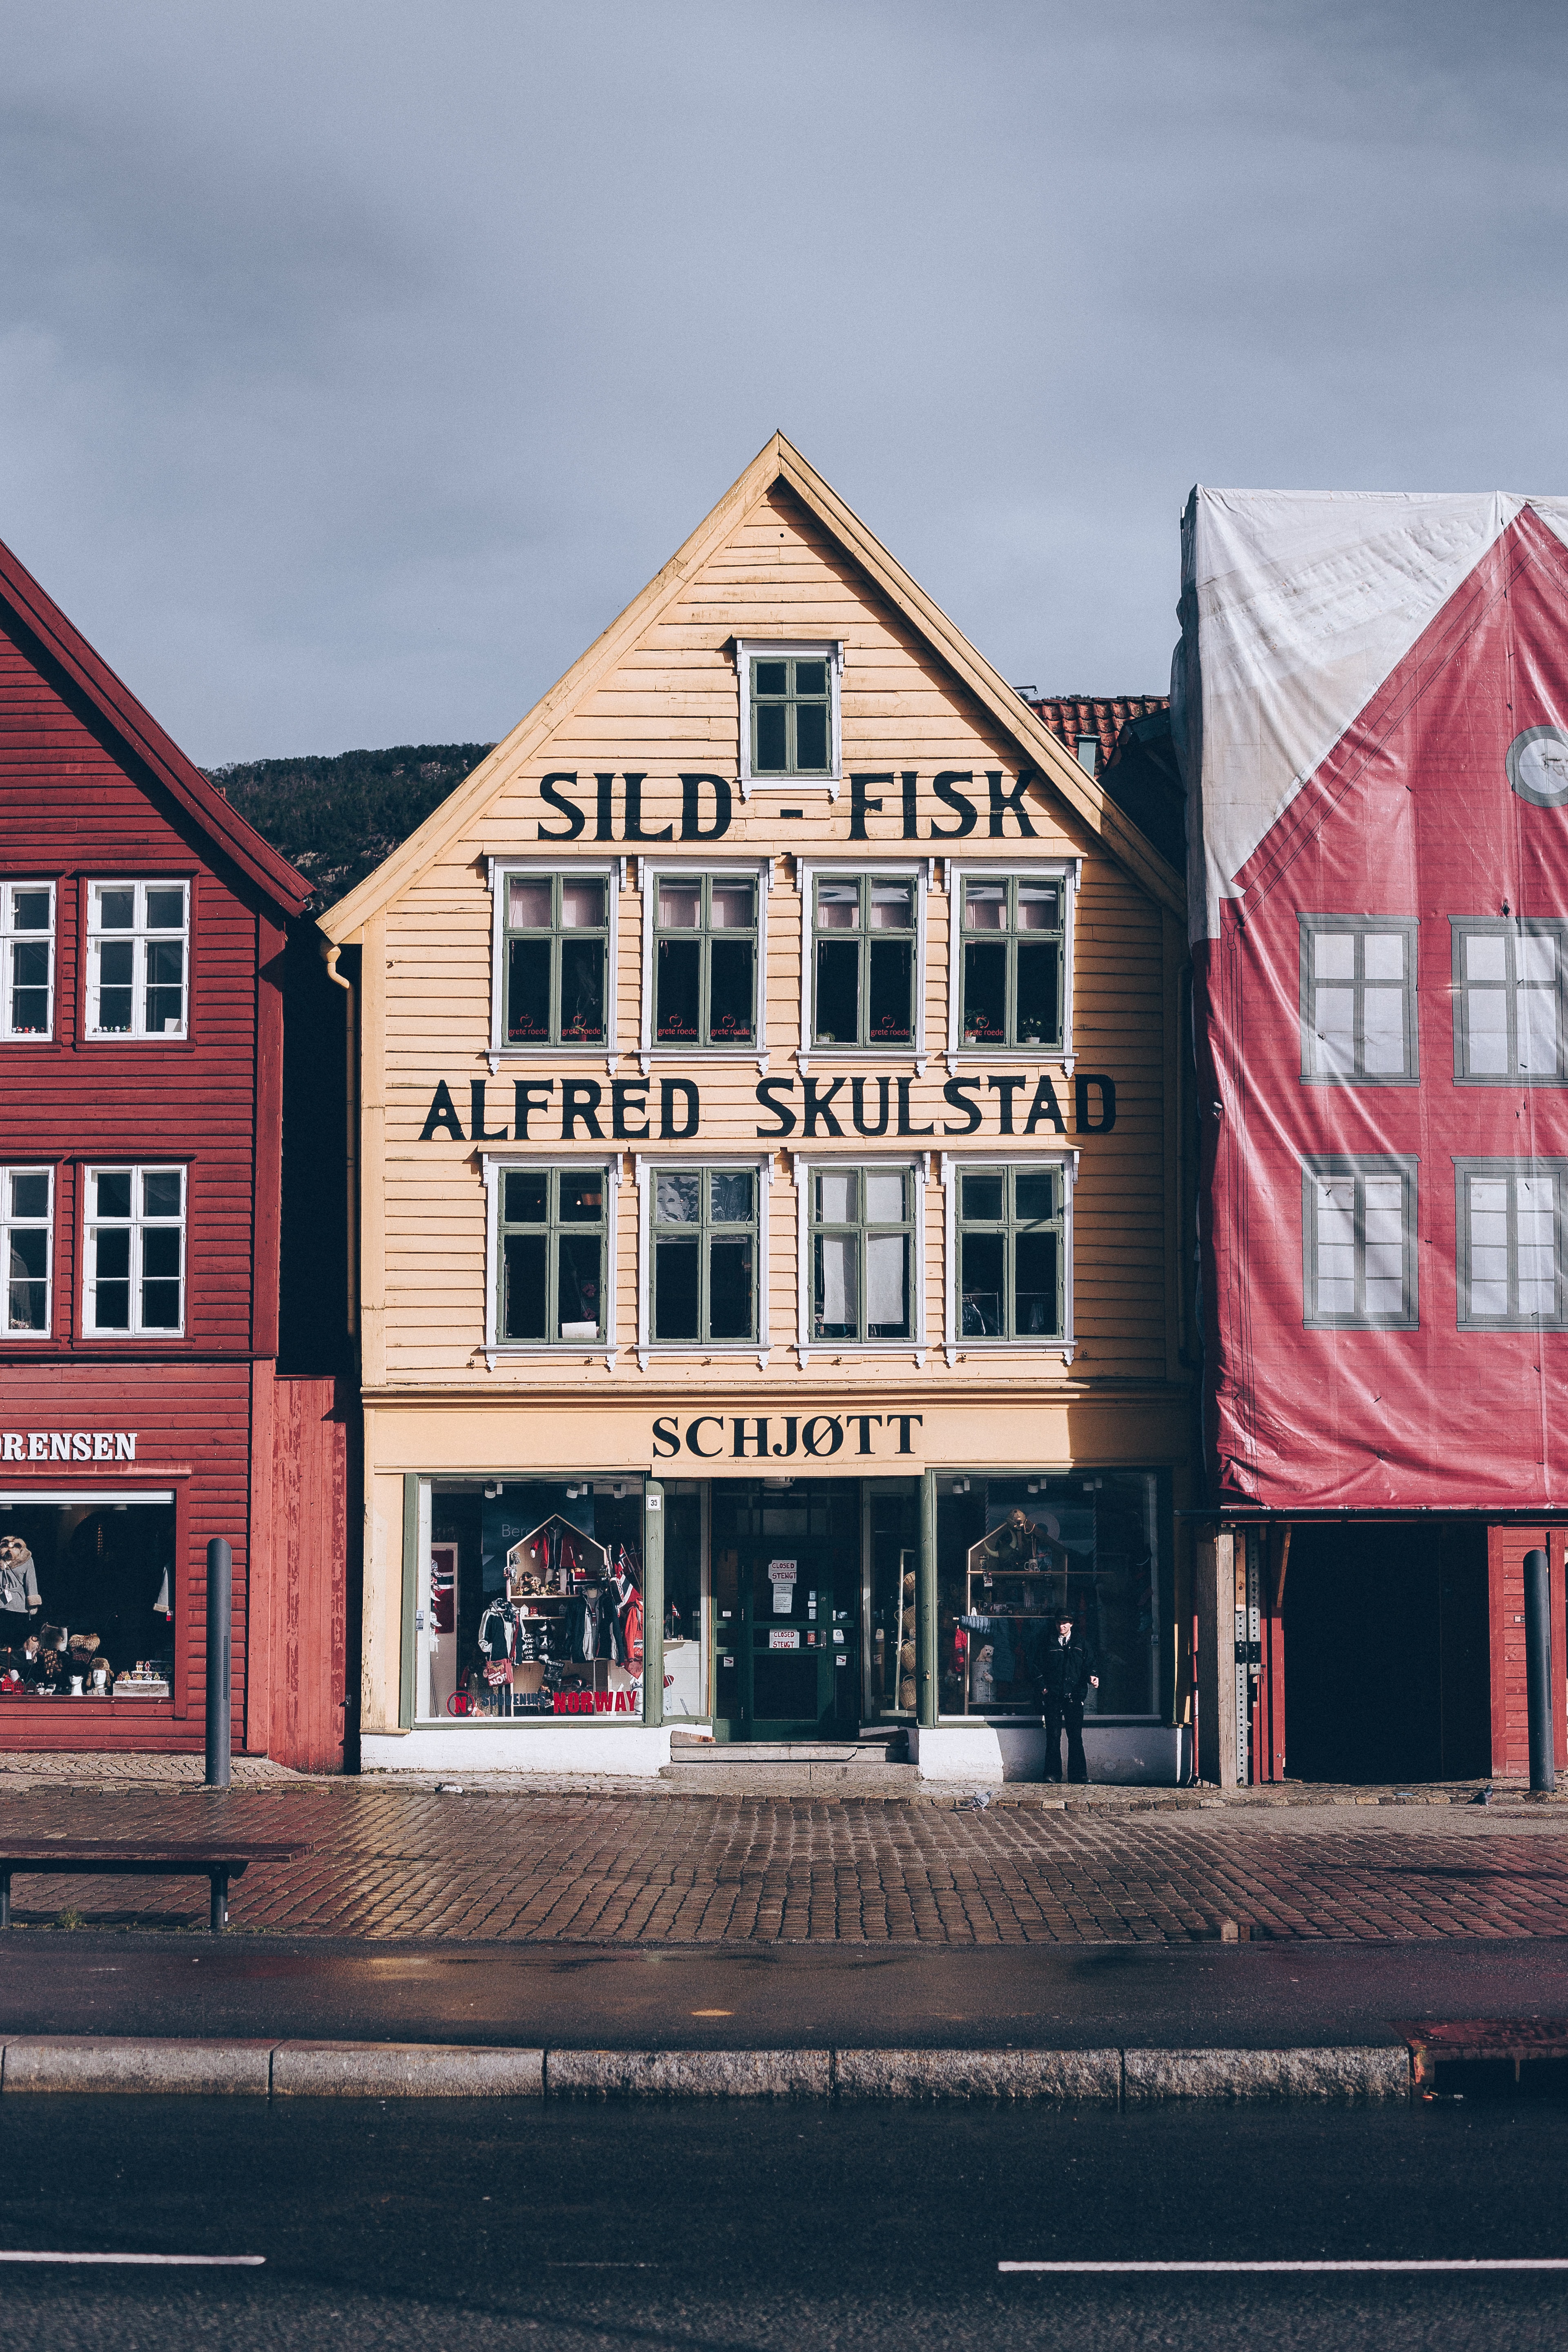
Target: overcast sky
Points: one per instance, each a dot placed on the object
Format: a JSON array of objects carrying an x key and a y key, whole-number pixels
[{"x": 359, "y": 362}]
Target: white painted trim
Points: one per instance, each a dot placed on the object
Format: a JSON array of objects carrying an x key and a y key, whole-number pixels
[
  {"x": 787, "y": 648},
  {"x": 808, "y": 871},
  {"x": 499, "y": 870},
  {"x": 1067, "y": 870}
]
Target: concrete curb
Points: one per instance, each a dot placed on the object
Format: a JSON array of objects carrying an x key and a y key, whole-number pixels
[{"x": 437, "y": 2070}]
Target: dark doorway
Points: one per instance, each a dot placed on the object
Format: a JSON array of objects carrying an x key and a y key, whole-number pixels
[{"x": 1385, "y": 1652}]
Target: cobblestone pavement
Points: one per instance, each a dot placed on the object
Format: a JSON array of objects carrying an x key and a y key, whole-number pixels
[{"x": 617, "y": 1869}]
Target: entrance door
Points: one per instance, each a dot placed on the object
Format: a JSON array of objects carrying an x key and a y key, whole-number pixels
[{"x": 786, "y": 1585}]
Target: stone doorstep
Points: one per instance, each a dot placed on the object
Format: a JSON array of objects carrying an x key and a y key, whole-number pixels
[{"x": 257, "y": 2068}]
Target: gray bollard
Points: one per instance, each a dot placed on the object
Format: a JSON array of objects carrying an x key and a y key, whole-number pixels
[
  {"x": 220, "y": 1599},
  {"x": 1537, "y": 1669}
]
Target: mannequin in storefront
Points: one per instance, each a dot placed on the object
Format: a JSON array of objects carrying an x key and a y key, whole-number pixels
[
  {"x": 1068, "y": 1677},
  {"x": 19, "y": 1600}
]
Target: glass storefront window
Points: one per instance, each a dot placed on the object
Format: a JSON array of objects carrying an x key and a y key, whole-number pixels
[
  {"x": 1012, "y": 1552},
  {"x": 86, "y": 1599},
  {"x": 531, "y": 1601},
  {"x": 894, "y": 1536},
  {"x": 685, "y": 1694}
]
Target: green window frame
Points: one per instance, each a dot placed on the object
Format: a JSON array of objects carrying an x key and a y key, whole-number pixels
[
  {"x": 865, "y": 960},
  {"x": 705, "y": 1256},
  {"x": 790, "y": 714},
  {"x": 705, "y": 959},
  {"x": 1511, "y": 1002},
  {"x": 553, "y": 1254},
  {"x": 555, "y": 945},
  {"x": 1013, "y": 959},
  {"x": 1011, "y": 1254},
  {"x": 863, "y": 1256},
  {"x": 1512, "y": 1229}
]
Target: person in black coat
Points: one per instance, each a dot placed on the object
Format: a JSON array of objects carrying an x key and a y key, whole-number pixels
[{"x": 1067, "y": 1678}]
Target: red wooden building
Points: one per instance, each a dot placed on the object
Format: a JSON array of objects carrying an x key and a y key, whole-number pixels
[
  {"x": 150, "y": 942},
  {"x": 1373, "y": 709}
]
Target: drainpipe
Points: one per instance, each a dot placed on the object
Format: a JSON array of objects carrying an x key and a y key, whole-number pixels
[{"x": 350, "y": 1119}]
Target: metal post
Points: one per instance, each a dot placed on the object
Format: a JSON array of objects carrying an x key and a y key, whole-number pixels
[
  {"x": 928, "y": 1692},
  {"x": 220, "y": 1599},
  {"x": 1537, "y": 1668},
  {"x": 653, "y": 1602}
]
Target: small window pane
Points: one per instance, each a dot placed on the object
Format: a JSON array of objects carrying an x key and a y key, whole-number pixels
[
  {"x": 530, "y": 908},
  {"x": 890, "y": 906},
  {"x": 835, "y": 1197},
  {"x": 1036, "y": 1198},
  {"x": 582, "y": 1198},
  {"x": 161, "y": 1194},
  {"x": 734, "y": 905},
  {"x": 1538, "y": 959},
  {"x": 1038, "y": 1019},
  {"x": 111, "y": 1187},
  {"x": 1486, "y": 954},
  {"x": 675, "y": 1309},
  {"x": 1034, "y": 1305},
  {"x": 886, "y": 1287},
  {"x": 811, "y": 737},
  {"x": 985, "y": 906},
  {"x": 1384, "y": 955},
  {"x": 678, "y": 1198},
  {"x": 771, "y": 732},
  {"x": 884, "y": 1197},
  {"x": 581, "y": 990},
  {"x": 165, "y": 910},
  {"x": 582, "y": 905},
  {"x": 679, "y": 905},
  {"x": 523, "y": 1307},
  {"x": 838, "y": 906},
  {"x": 730, "y": 991},
  {"x": 30, "y": 910},
  {"x": 891, "y": 991},
  {"x": 982, "y": 1197},
  {"x": 729, "y": 1290},
  {"x": 1538, "y": 1030},
  {"x": 837, "y": 1021},
  {"x": 1038, "y": 907},
  {"x": 811, "y": 678},
  {"x": 771, "y": 677},
  {"x": 1383, "y": 1018},
  {"x": 525, "y": 1197},
  {"x": 577, "y": 1285},
  {"x": 730, "y": 1201},
  {"x": 984, "y": 993},
  {"x": 678, "y": 991},
  {"x": 838, "y": 1286},
  {"x": 116, "y": 911},
  {"x": 30, "y": 1193},
  {"x": 984, "y": 1262},
  {"x": 528, "y": 992},
  {"x": 1333, "y": 955}
]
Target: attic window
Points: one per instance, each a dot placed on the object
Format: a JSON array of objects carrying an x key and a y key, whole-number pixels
[
  {"x": 1088, "y": 753},
  {"x": 789, "y": 714}
]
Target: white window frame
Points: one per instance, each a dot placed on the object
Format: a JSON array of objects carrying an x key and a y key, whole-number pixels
[
  {"x": 11, "y": 937},
  {"x": 646, "y": 1168},
  {"x": 809, "y": 871},
  {"x": 29, "y": 1225},
  {"x": 759, "y": 871},
  {"x": 917, "y": 1165},
  {"x": 141, "y": 937},
  {"x": 136, "y": 1225},
  {"x": 1069, "y": 872},
  {"x": 499, "y": 1350},
  {"x": 949, "y": 1163},
  {"x": 828, "y": 649},
  {"x": 498, "y": 871}
]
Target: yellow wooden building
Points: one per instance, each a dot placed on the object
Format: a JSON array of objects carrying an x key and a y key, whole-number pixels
[{"x": 769, "y": 1179}]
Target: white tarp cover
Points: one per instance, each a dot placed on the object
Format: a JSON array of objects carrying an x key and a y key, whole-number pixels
[{"x": 1296, "y": 606}]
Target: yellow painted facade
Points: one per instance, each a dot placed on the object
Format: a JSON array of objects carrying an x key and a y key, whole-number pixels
[{"x": 628, "y": 780}]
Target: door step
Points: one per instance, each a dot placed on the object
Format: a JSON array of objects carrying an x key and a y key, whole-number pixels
[{"x": 866, "y": 1753}]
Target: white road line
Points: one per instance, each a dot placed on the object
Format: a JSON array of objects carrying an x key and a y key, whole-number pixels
[
  {"x": 181, "y": 2262},
  {"x": 1482, "y": 2262}
]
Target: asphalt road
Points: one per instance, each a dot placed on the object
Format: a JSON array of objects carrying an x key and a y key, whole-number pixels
[
  {"x": 434, "y": 2223},
  {"x": 762, "y": 1996}
]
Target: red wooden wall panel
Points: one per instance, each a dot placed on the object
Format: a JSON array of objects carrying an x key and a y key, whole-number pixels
[{"x": 1506, "y": 1548}]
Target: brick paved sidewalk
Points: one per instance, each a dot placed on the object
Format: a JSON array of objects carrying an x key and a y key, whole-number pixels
[{"x": 392, "y": 1862}]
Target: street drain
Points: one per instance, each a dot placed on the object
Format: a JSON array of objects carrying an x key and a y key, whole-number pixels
[{"x": 1489, "y": 2058}]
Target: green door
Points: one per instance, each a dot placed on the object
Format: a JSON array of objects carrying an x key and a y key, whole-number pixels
[{"x": 786, "y": 1596}]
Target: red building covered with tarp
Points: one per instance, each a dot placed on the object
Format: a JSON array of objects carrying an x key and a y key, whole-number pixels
[
  {"x": 1372, "y": 713},
  {"x": 169, "y": 1368}
]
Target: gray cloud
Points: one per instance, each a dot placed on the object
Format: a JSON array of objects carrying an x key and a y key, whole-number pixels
[{"x": 357, "y": 363}]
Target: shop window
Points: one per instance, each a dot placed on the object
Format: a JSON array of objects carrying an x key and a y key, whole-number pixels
[
  {"x": 790, "y": 711},
  {"x": 554, "y": 1233},
  {"x": 864, "y": 937},
  {"x": 529, "y": 1601},
  {"x": 1358, "y": 1000},
  {"x": 1511, "y": 1256},
  {"x": 135, "y": 1229},
  {"x": 863, "y": 1241},
  {"x": 1509, "y": 1026},
  {"x": 1011, "y": 1254},
  {"x": 1012, "y": 1554},
  {"x": 705, "y": 959},
  {"x": 1359, "y": 1242},
  {"x": 26, "y": 1250},
  {"x": 137, "y": 936},
  {"x": 705, "y": 1255},
  {"x": 27, "y": 960},
  {"x": 555, "y": 949},
  {"x": 1011, "y": 980},
  {"x": 87, "y": 1598}
]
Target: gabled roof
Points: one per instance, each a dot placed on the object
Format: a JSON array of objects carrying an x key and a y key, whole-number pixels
[
  {"x": 778, "y": 461},
  {"x": 149, "y": 746},
  {"x": 1100, "y": 718}
]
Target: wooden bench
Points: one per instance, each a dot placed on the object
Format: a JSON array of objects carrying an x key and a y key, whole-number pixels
[{"x": 217, "y": 1860}]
